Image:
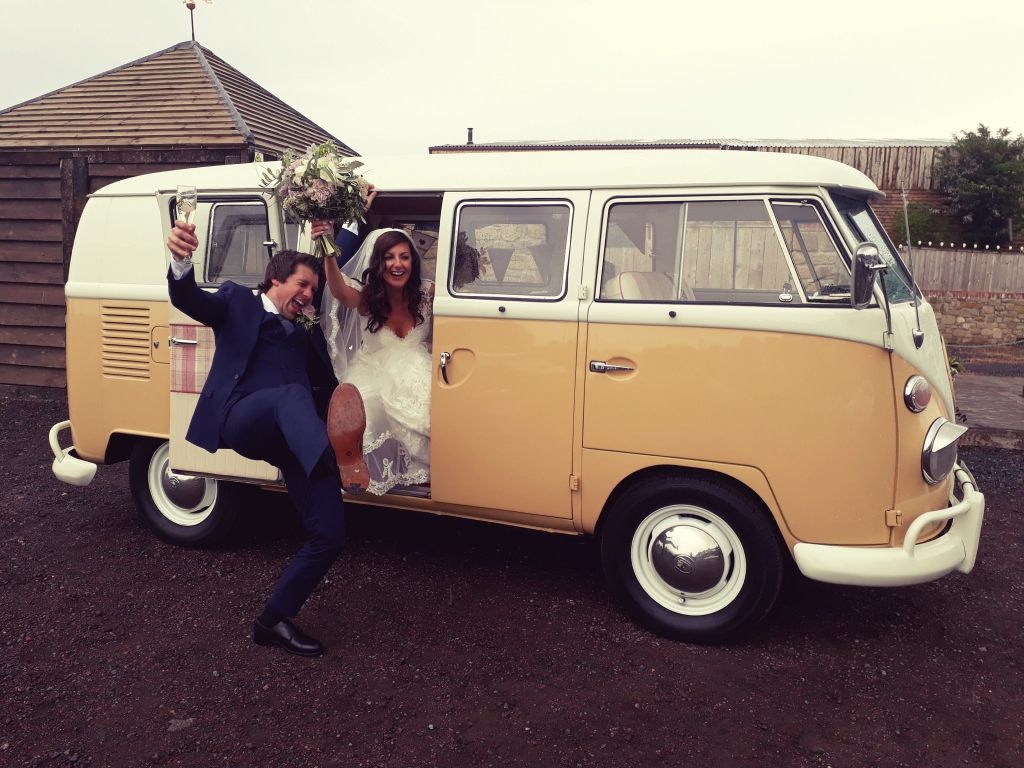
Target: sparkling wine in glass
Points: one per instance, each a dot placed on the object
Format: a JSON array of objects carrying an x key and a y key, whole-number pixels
[{"x": 188, "y": 198}]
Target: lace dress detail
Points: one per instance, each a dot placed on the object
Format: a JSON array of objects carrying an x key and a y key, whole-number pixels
[{"x": 393, "y": 376}]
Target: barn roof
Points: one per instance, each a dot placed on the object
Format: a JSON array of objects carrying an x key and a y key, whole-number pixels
[{"x": 183, "y": 96}]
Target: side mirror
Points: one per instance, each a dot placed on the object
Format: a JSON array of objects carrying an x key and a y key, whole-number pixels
[{"x": 866, "y": 264}]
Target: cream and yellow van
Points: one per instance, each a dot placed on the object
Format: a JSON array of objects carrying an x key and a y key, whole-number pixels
[{"x": 711, "y": 361}]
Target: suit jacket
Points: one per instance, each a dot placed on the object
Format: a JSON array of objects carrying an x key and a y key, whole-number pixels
[{"x": 234, "y": 313}]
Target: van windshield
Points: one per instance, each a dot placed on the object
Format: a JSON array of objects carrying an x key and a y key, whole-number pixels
[{"x": 858, "y": 216}]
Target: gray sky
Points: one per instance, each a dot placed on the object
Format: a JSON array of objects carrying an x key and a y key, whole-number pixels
[{"x": 396, "y": 76}]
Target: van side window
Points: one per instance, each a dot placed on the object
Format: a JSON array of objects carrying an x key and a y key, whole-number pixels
[
  {"x": 511, "y": 249},
  {"x": 822, "y": 270},
  {"x": 716, "y": 252},
  {"x": 236, "y": 248}
]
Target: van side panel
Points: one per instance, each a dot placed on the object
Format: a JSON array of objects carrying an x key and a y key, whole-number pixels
[
  {"x": 814, "y": 414},
  {"x": 116, "y": 380}
]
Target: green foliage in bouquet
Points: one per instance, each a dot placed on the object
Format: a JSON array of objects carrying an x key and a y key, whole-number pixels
[{"x": 319, "y": 184}]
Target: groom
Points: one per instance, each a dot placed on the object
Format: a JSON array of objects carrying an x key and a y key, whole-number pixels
[{"x": 258, "y": 402}]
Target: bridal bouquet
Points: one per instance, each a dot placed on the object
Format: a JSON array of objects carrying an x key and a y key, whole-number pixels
[{"x": 319, "y": 184}]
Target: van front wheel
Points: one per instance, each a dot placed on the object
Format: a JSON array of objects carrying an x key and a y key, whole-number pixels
[
  {"x": 691, "y": 558},
  {"x": 181, "y": 509}
]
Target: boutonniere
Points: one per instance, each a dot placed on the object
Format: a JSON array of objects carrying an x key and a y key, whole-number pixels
[{"x": 307, "y": 318}]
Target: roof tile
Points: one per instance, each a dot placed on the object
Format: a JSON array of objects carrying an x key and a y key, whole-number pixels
[{"x": 183, "y": 96}]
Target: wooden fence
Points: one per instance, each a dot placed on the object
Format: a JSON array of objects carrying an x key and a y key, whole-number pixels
[{"x": 969, "y": 272}]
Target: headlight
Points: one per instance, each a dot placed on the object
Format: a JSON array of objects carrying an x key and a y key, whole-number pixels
[
  {"x": 917, "y": 393},
  {"x": 939, "y": 454}
]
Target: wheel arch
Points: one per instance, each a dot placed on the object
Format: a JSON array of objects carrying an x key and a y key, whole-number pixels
[
  {"x": 120, "y": 445},
  {"x": 748, "y": 481}
]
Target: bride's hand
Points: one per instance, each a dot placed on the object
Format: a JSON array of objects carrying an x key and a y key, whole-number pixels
[{"x": 321, "y": 228}]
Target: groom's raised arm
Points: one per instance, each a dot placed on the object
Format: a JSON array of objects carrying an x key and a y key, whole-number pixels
[{"x": 207, "y": 308}]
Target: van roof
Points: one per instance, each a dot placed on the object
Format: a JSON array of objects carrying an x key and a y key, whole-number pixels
[{"x": 542, "y": 170}]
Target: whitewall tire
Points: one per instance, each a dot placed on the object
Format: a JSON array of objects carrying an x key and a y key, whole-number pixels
[
  {"x": 692, "y": 558},
  {"x": 180, "y": 509}
]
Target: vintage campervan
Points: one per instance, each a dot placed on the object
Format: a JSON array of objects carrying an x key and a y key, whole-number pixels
[{"x": 711, "y": 361}]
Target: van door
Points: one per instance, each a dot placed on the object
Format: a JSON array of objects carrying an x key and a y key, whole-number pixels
[
  {"x": 237, "y": 235},
  {"x": 505, "y": 338},
  {"x": 722, "y": 332}
]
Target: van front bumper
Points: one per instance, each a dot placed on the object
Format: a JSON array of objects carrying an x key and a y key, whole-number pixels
[
  {"x": 913, "y": 563},
  {"x": 69, "y": 469}
]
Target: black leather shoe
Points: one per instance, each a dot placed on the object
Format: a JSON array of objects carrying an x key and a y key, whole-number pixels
[{"x": 286, "y": 635}]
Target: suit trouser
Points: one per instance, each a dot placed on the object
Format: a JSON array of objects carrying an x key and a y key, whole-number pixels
[{"x": 261, "y": 426}]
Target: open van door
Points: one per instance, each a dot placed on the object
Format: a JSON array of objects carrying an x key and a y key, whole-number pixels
[{"x": 237, "y": 233}]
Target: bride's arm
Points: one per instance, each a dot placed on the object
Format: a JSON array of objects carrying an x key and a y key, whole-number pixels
[{"x": 349, "y": 297}]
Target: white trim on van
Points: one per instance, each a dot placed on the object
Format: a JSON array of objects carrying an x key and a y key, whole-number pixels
[{"x": 600, "y": 169}]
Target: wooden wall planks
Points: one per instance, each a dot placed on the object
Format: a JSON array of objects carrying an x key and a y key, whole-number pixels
[
  {"x": 32, "y": 376},
  {"x": 960, "y": 271}
]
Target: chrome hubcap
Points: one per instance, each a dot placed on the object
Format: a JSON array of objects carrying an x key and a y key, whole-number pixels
[
  {"x": 182, "y": 499},
  {"x": 184, "y": 491},
  {"x": 688, "y": 559}
]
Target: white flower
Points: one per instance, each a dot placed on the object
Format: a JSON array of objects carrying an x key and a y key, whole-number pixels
[{"x": 300, "y": 170}]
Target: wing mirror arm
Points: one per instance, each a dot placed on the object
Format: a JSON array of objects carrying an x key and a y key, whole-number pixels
[{"x": 867, "y": 266}]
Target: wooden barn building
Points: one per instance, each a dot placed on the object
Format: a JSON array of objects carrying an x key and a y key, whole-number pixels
[{"x": 178, "y": 108}]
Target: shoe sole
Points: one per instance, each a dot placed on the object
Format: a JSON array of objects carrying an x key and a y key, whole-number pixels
[
  {"x": 346, "y": 423},
  {"x": 282, "y": 646}
]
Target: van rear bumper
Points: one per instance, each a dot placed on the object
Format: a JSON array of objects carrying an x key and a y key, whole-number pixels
[
  {"x": 68, "y": 468},
  {"x": 913, "y": 563}
]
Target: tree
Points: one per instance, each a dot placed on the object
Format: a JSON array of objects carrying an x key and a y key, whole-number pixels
[{"x": 982, "y": 177}]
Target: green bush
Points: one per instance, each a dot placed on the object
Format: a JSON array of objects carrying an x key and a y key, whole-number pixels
[
  {"x": 925, "y": 225},
  {"x": 982, "y": 177}
]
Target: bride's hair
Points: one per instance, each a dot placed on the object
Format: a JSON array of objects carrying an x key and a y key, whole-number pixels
[{"x": 375, "y": 295}]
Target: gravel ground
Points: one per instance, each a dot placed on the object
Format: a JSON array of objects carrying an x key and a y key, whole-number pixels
[
  {"x": 1003, "y": 360},
  {"x": 460, "y": 643}
]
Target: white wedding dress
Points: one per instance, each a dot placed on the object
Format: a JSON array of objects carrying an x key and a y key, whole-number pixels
[{"x": 393, "y": 376}]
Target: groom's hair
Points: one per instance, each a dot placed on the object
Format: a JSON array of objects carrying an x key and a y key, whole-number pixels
[{"x": 283, "y": 264}]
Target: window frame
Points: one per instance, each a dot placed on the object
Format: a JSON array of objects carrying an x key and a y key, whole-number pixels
[
  {"x": 767, "y": 199},
  {"x": 830, "y": 229},
  {"x": 510, "y": 202},
  {"x": 214, "y": 201},
  {"x": 852, "y": 230}
]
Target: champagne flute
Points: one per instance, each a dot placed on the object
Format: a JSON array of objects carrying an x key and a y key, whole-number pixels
[{"x": 188, "y": 198}]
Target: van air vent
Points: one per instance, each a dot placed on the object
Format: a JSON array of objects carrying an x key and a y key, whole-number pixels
[{"x": 126, "y": 339}]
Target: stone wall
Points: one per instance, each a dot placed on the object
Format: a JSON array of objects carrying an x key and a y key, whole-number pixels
[{"x": 978, "y": 318}]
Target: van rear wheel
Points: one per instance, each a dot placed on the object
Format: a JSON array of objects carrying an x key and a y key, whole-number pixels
[
  {"x": 180, "y": 509},
  {"x": 691, "y": 558}
]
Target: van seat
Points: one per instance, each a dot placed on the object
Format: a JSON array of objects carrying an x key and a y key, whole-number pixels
[{"x": 639, "y": 286}]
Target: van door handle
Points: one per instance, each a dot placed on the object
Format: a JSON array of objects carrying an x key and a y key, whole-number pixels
[
  {"x": 445, "y": 357},
  {"x": 176, "y": 340},
  {"x": 597, "y": 366}
]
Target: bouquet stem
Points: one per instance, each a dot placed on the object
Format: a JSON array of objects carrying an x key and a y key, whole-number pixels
[{"x": 325, "y": 246}]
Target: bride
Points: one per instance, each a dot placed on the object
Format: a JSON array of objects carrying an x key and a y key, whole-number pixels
[{"x": 376, "y": 317}]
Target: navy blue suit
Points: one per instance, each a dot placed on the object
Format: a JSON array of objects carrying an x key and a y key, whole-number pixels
[{"x": 258, "y": 402}]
